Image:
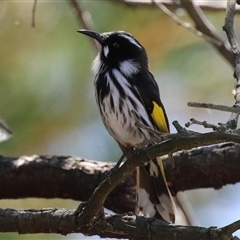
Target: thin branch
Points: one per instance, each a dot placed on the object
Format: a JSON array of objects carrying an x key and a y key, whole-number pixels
[
  {"x": 231, "y": 228},
  {"x": 205, "y": 5},
  {"x": 84, "y": 19},
  {"x": 34, "y": 13},
  {"x": 179, "y": 128},
  {"x": 205, "y": 124},
  {"x": 194, "y": 9},
  {"x": 185, "y": 24},
  {"x": 206, "y": 27},
  {"x": 228, "y": 28},
  {"x": 214, "y": 107}
]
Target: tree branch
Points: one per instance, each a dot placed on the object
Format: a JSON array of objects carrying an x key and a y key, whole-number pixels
[
  {"x": 205, "y": 5},
  {"x": 84, "y": 19},
  {"x": 62, "y": 221},
  {"x": 205, "y": 26},
  {"x": 185, "y": 24},
  {"x": 209, "y": 167},
  {"x": 35, "y": 176},
  {"x": 34, "y": 13},
  {"x": 171, "y": 143},
  {"x": 228, "y": 28},
  {"x": 214, "y": 107}
]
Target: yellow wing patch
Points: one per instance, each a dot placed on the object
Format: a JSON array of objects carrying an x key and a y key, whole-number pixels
[{"x": 159, "y": 118}]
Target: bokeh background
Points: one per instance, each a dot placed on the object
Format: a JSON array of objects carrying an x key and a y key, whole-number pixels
[{"x": 47, "y": 96}]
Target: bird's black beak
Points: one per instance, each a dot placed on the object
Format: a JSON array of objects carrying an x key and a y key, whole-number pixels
[{"x": 97, "y": 36}]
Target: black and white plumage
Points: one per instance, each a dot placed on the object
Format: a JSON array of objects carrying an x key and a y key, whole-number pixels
[{"x": 124, "y": 83}]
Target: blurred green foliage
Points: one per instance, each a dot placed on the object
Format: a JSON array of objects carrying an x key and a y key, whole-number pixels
[{"x": 46, "y": 86}]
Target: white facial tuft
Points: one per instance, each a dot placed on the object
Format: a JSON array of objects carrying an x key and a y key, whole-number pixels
[
  {"x": 129, "y": 67},
  {"x": 105, "y": 51}
]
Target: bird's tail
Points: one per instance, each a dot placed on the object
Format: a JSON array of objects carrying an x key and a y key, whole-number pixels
[{"x": 154, "y": 197}]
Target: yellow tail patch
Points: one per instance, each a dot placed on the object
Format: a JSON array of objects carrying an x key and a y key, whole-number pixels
[{"x": 159, "y": 118}]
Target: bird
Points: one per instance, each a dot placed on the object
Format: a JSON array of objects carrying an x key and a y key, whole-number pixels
[{"x": 126, "y": 91}]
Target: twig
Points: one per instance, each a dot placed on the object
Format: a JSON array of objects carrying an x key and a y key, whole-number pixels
[
  {"x": 228, "y": 28},
  {"x": 34, "y": 12},
  {"x": 185, "y": 24},
  {"x": 178, "y": 127},
  {"x": 205, "y": 5},
  {"x": 194, "y": 121},
  {"x": 205, "y": 124},
  {"x": 197, "y": 15},
  {"x": 214, "y": 107},
  {"x": 206, "y": 27},
  {"x": 84, "y": 19},
  {"x": 231, "y": 228}
]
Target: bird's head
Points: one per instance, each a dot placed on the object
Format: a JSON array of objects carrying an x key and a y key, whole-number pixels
[{"x": 118, "y": 47}]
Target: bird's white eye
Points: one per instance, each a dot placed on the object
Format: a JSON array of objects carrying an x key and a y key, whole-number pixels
[{"x": 116, "y": 45}]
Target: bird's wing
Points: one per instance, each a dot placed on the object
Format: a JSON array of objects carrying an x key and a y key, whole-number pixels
[{"x": 150, "y": 97}]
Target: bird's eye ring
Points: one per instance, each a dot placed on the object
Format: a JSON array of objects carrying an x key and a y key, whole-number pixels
[{"x": 116, "y": 45}]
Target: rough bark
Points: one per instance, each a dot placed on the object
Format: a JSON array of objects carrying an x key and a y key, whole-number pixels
[
  {"x": 126, "y": 226},
  {"x": 77, "y": 178}
]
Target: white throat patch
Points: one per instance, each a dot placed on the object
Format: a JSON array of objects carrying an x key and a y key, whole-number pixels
[{"x": 105, "y": 51}]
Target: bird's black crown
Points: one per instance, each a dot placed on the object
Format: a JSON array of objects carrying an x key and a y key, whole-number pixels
[{"x": 119, "y": 46}]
